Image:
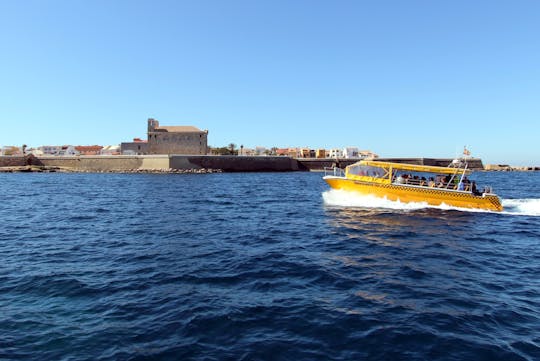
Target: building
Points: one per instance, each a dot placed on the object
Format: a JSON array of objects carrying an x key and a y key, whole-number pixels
[
  {"x": 335, "y": 153},
  {"x": 176, "y": 139},
  {"x": 10, "y": 150},
  {"x": 110, "y": 150},
  {"x": 50, "y": 149},
  {"x": 89, "y": 149},
  {"x": 350, "y": 152},
  {"x": 137, "y": 147},
  {"x": 67, "y": 150},
  {"x": 367, "y": 154},
  {"x": 321, "y": 153}
]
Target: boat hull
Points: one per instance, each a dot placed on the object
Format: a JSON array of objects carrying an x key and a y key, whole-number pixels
[{"x": 408, "y": 193}]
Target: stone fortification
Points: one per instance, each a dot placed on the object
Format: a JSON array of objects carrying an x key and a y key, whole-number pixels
[
  {"x": 235, "y": 163},
  {"x": 175, "y": 139},
  {"x": 106, "y": 163},
  {"x": 13, "y": 161},
  {"x": 200, "y": 162}
]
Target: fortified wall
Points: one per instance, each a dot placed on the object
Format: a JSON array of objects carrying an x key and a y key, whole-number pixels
[
  {"x": 13, "y": 161},
  {"x": 165, "y": 162},
  {"x": 106, "y": 163}
]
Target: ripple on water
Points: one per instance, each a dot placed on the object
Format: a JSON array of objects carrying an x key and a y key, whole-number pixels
[{"x": 260, "y": 266}]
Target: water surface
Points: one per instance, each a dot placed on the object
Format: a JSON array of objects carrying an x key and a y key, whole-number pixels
[{"x": 262, "y": 266}]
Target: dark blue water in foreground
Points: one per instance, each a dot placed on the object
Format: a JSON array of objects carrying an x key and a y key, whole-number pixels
[{"x": 261, "y": 267}]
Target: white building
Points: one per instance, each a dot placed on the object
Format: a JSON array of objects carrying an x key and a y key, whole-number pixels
[
  {"x": 350, "y": 152},
  {"x": 367, "y": 154},
  {"x": 110, "y": 150},
  {"x": 335, "y": 153},
  {"x": 50, "y": 149},
  {"x": 58, "y": 150}
]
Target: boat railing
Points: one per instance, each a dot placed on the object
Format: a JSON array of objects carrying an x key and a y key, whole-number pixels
[{"x": 334, "y": 171}]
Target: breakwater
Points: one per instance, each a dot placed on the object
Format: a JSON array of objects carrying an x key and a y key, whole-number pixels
[{"x": 173, "y": 163}]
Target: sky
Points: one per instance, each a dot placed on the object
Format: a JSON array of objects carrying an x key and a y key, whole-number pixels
[{"x": 400, "y": 78}]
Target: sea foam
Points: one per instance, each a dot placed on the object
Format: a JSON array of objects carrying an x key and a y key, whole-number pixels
[{"x": 340, "y": 198}]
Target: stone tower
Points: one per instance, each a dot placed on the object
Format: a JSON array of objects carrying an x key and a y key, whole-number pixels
[{"x": 152, "y": 125}]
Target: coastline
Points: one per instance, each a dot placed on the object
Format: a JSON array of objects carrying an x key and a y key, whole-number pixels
[{"x": 205, "y": 164}]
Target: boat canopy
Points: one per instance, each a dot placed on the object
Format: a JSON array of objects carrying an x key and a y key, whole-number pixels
[{"x": 413, "y": 167}]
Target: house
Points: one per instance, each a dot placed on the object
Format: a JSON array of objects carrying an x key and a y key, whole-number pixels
[
  {"x": 10, "y": 150},
  {"x": 307, "y": 153},
  {"x": 367, "y": 154},
  {"x": 110, "y": 150},
  {"x": 89, "y": 149},
  {"x": 350, "y": 152},
  {"x": 50, "y": 149},
  {"x": 320, "y": 153},
  {"x": 137, "y": 147},
  {"x": 335, "y": 153}
]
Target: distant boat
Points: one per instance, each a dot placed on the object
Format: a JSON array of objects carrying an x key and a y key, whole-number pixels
[{"x": 414, "y": 183}]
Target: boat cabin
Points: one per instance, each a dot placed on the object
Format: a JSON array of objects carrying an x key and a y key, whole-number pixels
[{"x": 453, "y": 177}]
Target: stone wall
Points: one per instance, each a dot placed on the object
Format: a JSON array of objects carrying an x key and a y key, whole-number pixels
[
  {"x": 183, "y": 162},
  {"x": 106, "y": 163},
  {"x": 235, "y": 163},
  {"x": 13, "y": 161}
]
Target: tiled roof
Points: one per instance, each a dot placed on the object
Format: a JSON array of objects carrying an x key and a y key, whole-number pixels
[
  {"x": 88, "y": 148},
  {"x": 179, "y": 129}
]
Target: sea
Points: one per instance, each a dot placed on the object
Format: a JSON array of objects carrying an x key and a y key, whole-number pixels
[{"x": 262, "y": 266}]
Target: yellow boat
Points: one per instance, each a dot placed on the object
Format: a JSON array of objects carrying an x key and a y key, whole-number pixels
[{"x": 414, "y": 183}]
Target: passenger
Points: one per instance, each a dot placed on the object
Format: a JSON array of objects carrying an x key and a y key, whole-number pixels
[
  {"x": 400, "y": 179},
  {"x": 461, "y": 186},
  {"x": 466, "y": 183},
  {"x": 423, "y": 181},
  {"x": 474, "y": 190},
  {"x": 431, "y": 182},
  {"x": 440, "y": 182}
]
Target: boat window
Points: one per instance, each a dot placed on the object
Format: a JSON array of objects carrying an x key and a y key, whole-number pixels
[{"x": 366, "y": 170}]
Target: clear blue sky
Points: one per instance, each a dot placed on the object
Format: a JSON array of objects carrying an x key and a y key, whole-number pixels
[{"x": 401, "y": 78}]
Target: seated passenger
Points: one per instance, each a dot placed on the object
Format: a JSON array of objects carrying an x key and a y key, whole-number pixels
[
  {"x": 475, "y": 191},
  {"x": 431, "y": 182},
  {"x": 400, "y": 179}
]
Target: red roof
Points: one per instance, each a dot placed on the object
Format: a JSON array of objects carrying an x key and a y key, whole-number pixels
[{"x": 88, "y": 148}]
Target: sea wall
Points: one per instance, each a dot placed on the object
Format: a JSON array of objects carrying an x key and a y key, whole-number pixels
[
  {"x": 235, "y": 163},
  {"x": 106, "y": 163},
  {"x": 185, "y": 162},
  {"x": 12, "y": 161}
]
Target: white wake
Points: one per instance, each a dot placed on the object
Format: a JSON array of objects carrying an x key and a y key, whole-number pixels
[{"x": 340, "y": 198}]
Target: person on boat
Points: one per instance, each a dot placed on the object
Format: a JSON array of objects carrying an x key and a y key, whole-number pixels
[
  {"x": 431, "y": 182},
  {"x": 474, "y": 190},
  {"x": 400, "y": 179},
  {"x": 466, "y": 183},
  {"x": 440, "y": 181}
]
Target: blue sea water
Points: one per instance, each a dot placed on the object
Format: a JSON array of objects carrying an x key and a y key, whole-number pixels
[{"x": 262, "y": 266}]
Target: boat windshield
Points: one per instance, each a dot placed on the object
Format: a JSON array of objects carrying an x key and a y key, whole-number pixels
[{"x": 367, "y": 170}]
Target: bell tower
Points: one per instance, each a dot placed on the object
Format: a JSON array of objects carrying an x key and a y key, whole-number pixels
[{"x": 152, "y": 124}]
